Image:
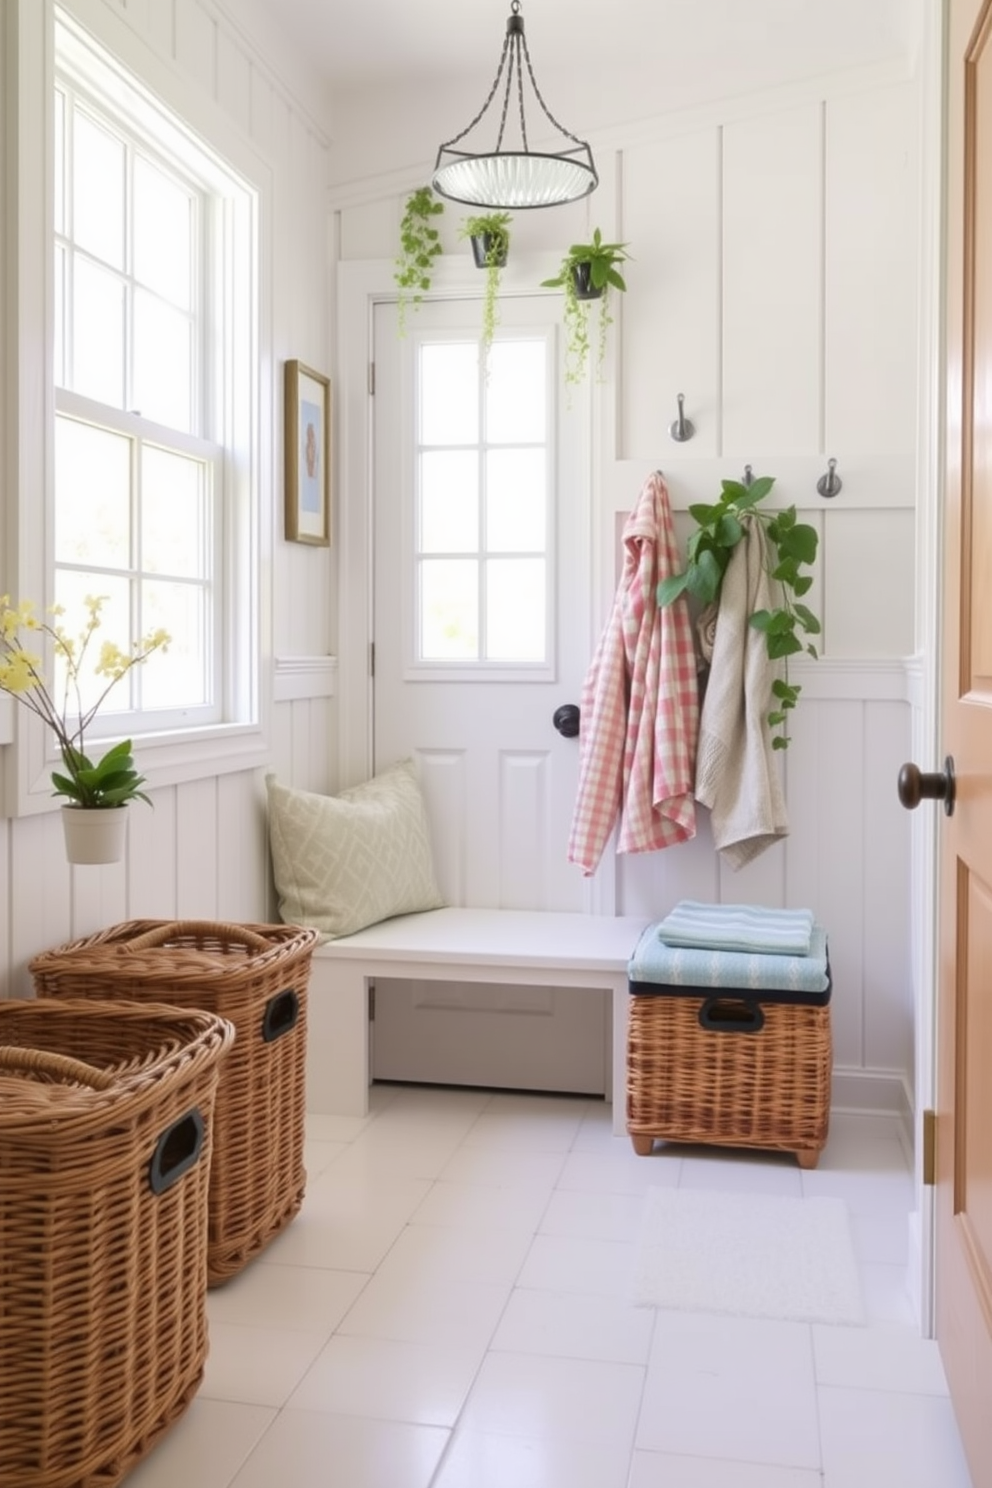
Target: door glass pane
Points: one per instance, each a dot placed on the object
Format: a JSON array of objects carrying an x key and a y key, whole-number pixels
[
  {"x": 449, "y": 501},
  {"x": 174, "y": 525},
  {"x": 98, "y": 334},
  {"x": 162, "y": 363},
  {"x": 515, "y": 609},
  {"x": 516, "y": 501},
  {"x": 449, "y": 609},
  {"x": 92, "y": 495},
  {"x": 449, "y": 393},
  {"x": 516, "y": 394},
  {"x": 98, "y": 191},
  {"x": 162, "y": 234}
]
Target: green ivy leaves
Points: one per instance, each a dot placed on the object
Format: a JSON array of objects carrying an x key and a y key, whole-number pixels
[{"x": 793, "y": 545}]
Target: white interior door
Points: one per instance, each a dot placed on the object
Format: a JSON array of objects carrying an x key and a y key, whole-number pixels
[{"x": 481, "y": 593}]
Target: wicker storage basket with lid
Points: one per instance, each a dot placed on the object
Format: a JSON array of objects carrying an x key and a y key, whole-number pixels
[
  {"x": 105, "y": 1132},
  {"x": 256, "y": 976}
]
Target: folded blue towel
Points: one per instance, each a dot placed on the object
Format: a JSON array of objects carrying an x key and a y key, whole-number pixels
[
  {"x": 684, "y": 966},
  {"x": 738, "y": 927}
]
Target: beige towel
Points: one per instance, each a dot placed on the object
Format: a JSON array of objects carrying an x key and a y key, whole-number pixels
[{"x": 737, "y": 772}]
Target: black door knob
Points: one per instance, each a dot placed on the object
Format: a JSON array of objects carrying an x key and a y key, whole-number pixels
[
  {"x": 566, "y": 720},
  {"x": 915, "y": 786}
]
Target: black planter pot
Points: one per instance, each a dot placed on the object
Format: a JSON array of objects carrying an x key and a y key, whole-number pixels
[
  {"x": 480, "y": 248},
  {"x": 582, "y": 280}
]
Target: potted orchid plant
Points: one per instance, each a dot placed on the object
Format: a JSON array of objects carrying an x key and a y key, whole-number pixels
[{"x": 103, "y": 786}]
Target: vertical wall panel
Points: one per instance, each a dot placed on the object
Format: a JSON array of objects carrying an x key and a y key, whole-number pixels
[
  {"x": 652, "y": 883},
  {"x": 868, "y": 600},
  {"x": 772, "y": 291},
  {"x": 242, "y": 842},
  {"x": 152, "y": 860},
  {"x": 234, "y": 81},
  {"x": 38, "y": 920},
  {"x": 99, "y": 893},
  {"x": 871, "y": 327},
  {"x": 196, "y": 44},
  {"x": 671, "y": 199},
  {"x": 260, "y": 110},
  {"x": 889, "y": 1007},
  {"x": 196, "y": 850}
]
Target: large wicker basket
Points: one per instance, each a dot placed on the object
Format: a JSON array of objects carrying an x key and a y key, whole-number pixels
[
  {"x": 737, "y": 1069},
  {"x": 255, "y": 976},
  {"x": 105, "y": 1134}
]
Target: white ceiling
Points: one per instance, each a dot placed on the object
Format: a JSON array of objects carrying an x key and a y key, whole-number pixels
[{"x": 370, "y": 42}]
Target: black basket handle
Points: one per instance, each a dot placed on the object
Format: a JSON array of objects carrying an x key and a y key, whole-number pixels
[
  {"x": 176, "y": 1151},
  {"x": 731, "y": 1015},
  {"x": 282, "y": 1013}
]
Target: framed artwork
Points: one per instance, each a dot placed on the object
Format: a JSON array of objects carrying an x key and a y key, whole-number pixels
[{"x": 308, "y": 455}]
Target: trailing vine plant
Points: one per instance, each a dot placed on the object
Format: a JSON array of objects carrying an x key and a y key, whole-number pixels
[
  {"x": 594, "y": 266},
  {"x": 792, "y": 545},
  {"x": 493, "y": 228},
  {"x": 420, "y": 244}
]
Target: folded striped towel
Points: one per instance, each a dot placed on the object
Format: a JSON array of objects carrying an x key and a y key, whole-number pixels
[
  {"x": 689, "y": 966},
  {"x": 738, "y": 927}
]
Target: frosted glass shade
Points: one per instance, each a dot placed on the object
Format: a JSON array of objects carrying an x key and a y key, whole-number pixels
[{"x": 512, "y": 181}]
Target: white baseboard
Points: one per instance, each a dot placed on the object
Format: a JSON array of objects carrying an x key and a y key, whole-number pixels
[{"x": 875, "y": 1092}]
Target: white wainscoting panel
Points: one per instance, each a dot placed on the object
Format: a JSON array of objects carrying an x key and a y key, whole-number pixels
[
  {"x": 443, "y": 778},
  {"x": 868, "y": 599},
  {"x": 524, "y": 821},
  {"x": 772, "y": 296},
  {"x": 671, "y": 217}
]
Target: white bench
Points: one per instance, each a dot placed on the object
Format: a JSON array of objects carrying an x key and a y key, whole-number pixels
[{"x": 492, "y": 946}]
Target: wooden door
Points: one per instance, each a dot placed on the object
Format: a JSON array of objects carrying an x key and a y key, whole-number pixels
[{"x": 964, "y": 1078}]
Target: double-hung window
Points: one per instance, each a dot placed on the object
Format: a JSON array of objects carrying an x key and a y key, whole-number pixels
[{"x": 154, "y": 502}]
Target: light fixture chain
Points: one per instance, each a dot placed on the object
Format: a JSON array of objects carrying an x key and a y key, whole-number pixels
[
  {"x": 492, "y": 93},
  {"x": 533, "y": 82},
  {"x": 520, "y": 89},
  {"x": 514, "y": 59}
]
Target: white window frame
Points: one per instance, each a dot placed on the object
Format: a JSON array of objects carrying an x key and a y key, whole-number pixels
[{"x": 119, "y": 70}]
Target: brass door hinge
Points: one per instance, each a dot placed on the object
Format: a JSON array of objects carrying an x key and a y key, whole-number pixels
[{"x": 929, "y": 1148}]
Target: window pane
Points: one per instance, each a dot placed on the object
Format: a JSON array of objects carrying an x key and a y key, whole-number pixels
[
  {"x": 162, "y": 363},
  {"x": 449, "y": 501},
  {"x": 92, "y": 495},
  {"x": 516, "y": 394},
  {"x": 516, "y": 501},
  {"x": 98, "y": 334},
  {"x": 174, "y": 504},
  {"x": 98, "y": 192},
  {"x": 71, "y": 591},
  {"x": 449, "y": 393},
  {"x": 162, "y": 234},
  {"x": 59, "y": 162},
  {"x": 179, "y": 677},
  {"x": 515, "y": 609},
  {"x": 449, "y": 606},
  {"x": 59, "y": 368}
]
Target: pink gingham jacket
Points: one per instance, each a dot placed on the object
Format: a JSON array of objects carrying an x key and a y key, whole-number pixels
[{"x": 640, "y": 704}]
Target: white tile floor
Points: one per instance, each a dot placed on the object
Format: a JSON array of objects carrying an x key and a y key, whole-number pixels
[{"x": 450, "y": 1310}]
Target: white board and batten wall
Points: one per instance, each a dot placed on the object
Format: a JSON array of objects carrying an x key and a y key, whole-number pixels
[
  {"x": 202, "y": 851},
  {"x": 775, "y": 281}
]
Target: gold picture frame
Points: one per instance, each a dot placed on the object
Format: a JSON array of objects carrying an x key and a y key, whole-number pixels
[{"x": 308, "y": 455}]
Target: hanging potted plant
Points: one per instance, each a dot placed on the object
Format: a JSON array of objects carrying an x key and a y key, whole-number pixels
[
  {"x": 588, "y": 272},
  {"x": 97, "y": 793},
  {"x": 791, "y": 546},
  {"x": 490, "y": 238},
  {"x": 420, "y": 244}
]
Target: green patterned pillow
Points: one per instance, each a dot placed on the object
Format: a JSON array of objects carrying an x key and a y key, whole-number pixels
[{"x": 343, "y": 862}]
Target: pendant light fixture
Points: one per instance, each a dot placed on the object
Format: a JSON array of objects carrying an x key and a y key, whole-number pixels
[{"x": 511, "y": 179}]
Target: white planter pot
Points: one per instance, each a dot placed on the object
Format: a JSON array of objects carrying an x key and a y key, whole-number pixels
[{"x": 94, "y": 834}]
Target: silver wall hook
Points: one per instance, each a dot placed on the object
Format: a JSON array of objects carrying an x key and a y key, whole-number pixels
[
  {"x": 748, "y": 476},
  {"x": 831, "y": 483},
  {"x": 682, "y": 429}
]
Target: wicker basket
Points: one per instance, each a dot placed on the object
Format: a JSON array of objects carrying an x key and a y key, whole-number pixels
[
  {"x": 730, "y": 1068},
  {"x": 255, "y": 976},
  {"x": 105, "y": 1134}
]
